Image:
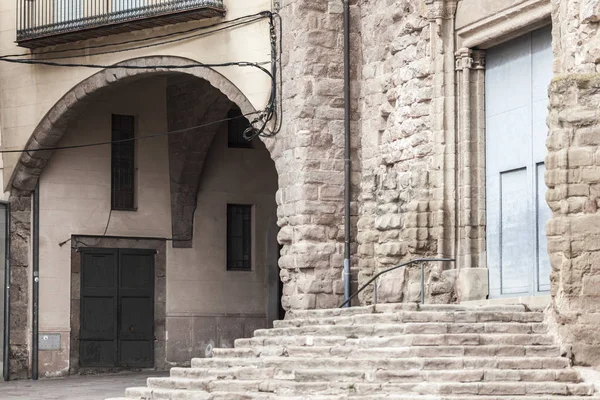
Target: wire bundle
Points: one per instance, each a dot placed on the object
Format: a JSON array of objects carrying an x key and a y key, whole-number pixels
[{"x": 258, "y": 125}]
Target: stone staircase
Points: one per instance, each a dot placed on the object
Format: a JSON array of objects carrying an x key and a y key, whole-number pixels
[{"x": 388, "y": 351}]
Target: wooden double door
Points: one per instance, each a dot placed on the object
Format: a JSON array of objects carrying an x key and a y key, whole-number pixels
[{"x": 117, "y": 308}]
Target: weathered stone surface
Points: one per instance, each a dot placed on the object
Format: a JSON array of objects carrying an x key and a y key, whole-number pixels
[
  {"x": 387, "y": 350},
  {"x": 573, "y": 230}
]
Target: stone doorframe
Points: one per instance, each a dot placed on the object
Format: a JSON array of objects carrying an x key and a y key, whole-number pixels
[
  {"x": 472, "y": 40},
  {"x": 160, "y": 293}
]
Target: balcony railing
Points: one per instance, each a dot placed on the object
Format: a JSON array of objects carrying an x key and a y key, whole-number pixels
[{"x": 48, "y": 22}]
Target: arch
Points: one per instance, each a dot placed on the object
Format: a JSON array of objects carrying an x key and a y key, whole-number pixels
[{"x": 52, "y": 127}]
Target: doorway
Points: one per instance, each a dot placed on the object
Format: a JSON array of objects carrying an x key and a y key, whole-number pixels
[
  {"x": 117, "y": 308},
  {"x": 517, "y": 77}
]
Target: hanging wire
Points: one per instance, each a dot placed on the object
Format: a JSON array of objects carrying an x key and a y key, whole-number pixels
[
  {"x": 235, "y": 22},
  {"x": 258, "y": 126},
  {"x": 144, "y": 137}
]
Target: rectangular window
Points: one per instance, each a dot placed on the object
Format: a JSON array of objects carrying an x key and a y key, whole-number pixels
[
  {"x": 236, "y": 128},
  {"x": 239, "y": 237},
  {"x": 123, "y": 163}
]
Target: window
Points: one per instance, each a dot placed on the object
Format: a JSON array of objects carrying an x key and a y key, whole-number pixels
[
  {"x": 123, "y": 163},
  {"x": 236, "y": 128},
  {"x": 239, "y": 237}
]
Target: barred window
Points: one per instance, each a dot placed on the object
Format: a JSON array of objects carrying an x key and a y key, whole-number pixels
[
  {"x": 239, "y": 237},
  {"x": 236, "y": 128},
  {"x": 123, "y": 163}
]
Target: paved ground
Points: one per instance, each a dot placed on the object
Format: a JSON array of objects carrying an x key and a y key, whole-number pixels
[{"x": 97, "y": 387}]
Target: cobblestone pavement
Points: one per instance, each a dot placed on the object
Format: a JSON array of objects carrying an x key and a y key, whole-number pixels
[{"x": 96, "y": 387}]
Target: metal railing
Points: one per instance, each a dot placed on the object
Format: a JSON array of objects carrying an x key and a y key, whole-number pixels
[
  {"x": 38, "y": 18},
  {"x": 373, "y": 280}
]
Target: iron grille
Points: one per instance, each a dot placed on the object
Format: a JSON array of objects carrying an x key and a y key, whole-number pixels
[
  {"x": 40, "y": 18},
  {"x": 239, "y": 237},
  {"x": 123, "y": 163}
]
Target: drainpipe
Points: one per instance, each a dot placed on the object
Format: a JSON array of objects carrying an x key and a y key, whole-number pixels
[
  {"x": 6, "y": 349},
  {"x": 36, "y": 283},
  {"x": 347, "y": 152}
]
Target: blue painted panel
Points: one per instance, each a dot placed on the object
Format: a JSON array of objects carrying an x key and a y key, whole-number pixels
[
  {"x": 517, "y": 77},
  {"x": 515, "y": 233},
  {"x": 543, "y": 215}
]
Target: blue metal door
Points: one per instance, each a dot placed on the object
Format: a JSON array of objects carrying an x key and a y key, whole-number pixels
[{"x": 517, "y": 77}]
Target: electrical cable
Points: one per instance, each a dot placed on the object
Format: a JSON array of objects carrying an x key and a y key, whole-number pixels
[
  {"x": 79, "y": 146},
  {"x": 147, "y": 45},
  {"x": 265, "y": 117},
  {"x": 262, "y": 14}
]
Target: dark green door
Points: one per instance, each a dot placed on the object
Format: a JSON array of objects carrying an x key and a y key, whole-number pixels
[{"x": 117, "y": 308}]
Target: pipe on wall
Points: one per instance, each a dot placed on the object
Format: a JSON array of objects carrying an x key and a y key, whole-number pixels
[
  {"x": 6, "y": 347},
  {"x": 347, "y": 154},
  {"x": 36, "y": 284}
]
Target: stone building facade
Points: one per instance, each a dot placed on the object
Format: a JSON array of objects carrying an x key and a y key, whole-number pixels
[
  {"x": 426, "y": 78},
  {"x": 449, "y": 159}
]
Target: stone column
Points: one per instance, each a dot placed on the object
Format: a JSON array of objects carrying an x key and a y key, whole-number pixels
[
  {"x": 20, "y": 276},
  {"x": 472, "y": 280},
  {"x": 573, "y": 177},
  {"x": 309, "y": 155}
]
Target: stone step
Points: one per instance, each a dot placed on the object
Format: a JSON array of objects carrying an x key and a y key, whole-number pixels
[
  {"x": 137, "y": 393},
  {"x": 400, "y": 341},
  {"x": 392, "y": 329},
  {"x": 415, "y": 316},
  {"x": 420, "y": 363},
  {"x": 377, "y": 374},
  {"x": 390, "y": 352},
  {"x": 425, "y": 388},
  {"x": 387, "y": 308}
]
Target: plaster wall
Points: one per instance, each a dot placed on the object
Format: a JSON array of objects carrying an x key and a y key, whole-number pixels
[
  {"x": 75, "y": 200},
  {"x": 28, "y": 92}
]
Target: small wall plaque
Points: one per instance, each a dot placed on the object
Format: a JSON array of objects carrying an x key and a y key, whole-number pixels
[{"x": 49, "y": 341}]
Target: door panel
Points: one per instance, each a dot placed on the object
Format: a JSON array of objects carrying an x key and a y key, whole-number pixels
[
  {"x": 515, "y": 231},
  {"x": 517, "y": 77},
  {"x": 98, "y": 332},
  {"x": 543, "y": 215},
  {"x": 136, "y": 299},
  {"x": 117, "y": 317}
]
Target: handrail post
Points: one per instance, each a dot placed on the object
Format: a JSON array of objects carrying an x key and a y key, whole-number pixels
[
  {"x": 422, "y": 283},
  {"x": 375, "y": 291},
  {"x": 376, "y": 276}
]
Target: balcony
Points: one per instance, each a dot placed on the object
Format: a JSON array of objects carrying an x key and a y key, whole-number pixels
[{"x": 51, "y": 22}]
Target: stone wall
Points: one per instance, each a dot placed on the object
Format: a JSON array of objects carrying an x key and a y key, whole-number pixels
[
  {"x": 20, "y": 228},
  {"x": 573, "y": 177},
  {"x": 309, "y": 155},
  {"x": 403, "y": 145}
]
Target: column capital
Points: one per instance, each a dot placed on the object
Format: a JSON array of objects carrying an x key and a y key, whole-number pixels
[
  {"x": 478, "y": 59},
  {"x": 440, "y": 9},
  {"x": 464, "y": 59}
]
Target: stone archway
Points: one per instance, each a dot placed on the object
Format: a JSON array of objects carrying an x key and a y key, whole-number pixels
[
  {"x": 49, "y": 132},
  {"x": 308, "y": 159}
]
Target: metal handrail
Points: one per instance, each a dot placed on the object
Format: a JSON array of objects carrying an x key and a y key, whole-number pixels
[{"x": 418, "y": 260}]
